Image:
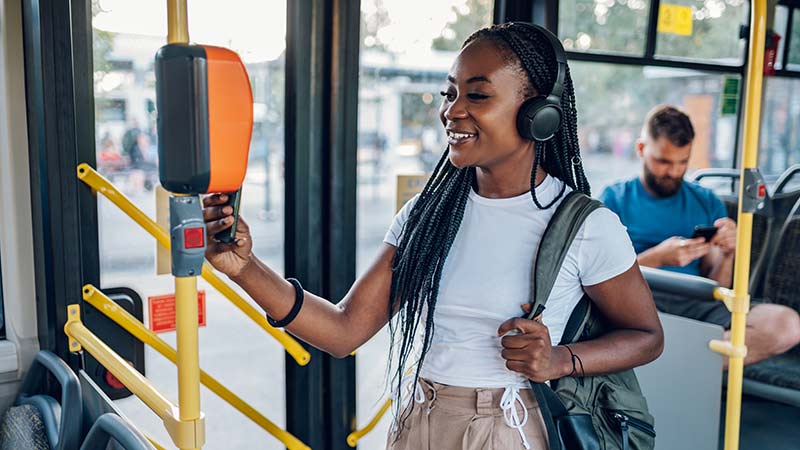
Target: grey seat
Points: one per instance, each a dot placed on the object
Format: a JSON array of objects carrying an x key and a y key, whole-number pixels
[
  {"x": 49, "y": 401},
  {"x": 684, "y": 385}
]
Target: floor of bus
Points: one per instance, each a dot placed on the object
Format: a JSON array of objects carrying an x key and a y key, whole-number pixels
[{"x": 766, "y": 425}]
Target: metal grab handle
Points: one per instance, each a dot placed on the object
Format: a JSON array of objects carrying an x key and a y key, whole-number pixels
[
  {"x": 132, "y": 325},
  {"x": 100, "y": 184},
  {"x": 785, "y": 177},
  {"x": 714, "y": 173}
]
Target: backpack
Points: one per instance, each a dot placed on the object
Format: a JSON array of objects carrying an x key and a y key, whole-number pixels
[{"x": 601, "y": 412}]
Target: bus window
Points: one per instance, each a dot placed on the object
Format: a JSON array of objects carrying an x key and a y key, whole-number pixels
[
  {"x": 126, "y": 36},
  {"x": 614, "y": 99},
  {"x": 2, "y": 306},
  {"x": 608, "y": 27},
  {"x": 780, "y": 138},
  {"x": 407, "y": 49},
  {"x": 712, "y": 36}
]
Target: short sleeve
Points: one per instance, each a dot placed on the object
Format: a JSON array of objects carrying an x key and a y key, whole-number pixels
[
  {"x": 393, "y": 235},
  {"x": 609, "y": 199},
  {"x": 605, "y": 249}
]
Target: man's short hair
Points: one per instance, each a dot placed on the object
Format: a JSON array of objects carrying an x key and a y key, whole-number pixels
[{"x": 670, "y": 122}]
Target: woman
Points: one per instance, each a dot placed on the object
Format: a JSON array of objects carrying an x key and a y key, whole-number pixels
[{"x": 457, "y": 260}]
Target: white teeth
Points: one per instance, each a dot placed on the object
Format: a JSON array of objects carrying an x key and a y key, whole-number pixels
[{"x": 454, "y": 135}]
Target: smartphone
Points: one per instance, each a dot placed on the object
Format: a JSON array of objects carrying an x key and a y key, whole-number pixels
[
  {"x": 228, "y": 235},
  {"x": 704, "y": 231}
]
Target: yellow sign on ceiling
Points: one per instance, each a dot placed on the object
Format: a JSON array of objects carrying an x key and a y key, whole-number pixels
[{"x": 675, "y": 19}]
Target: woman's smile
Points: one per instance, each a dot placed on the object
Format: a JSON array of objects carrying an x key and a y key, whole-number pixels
[{"x": 457, "y": 138}]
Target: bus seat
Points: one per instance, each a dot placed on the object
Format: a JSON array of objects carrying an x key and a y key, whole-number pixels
[
  {"x": 59, "y": 410},
  {"x": 112, "y": 428},
  {"x": 782, "y": 285},
  {"x": 103, "y": 421},
  {"x": 683, "y": 386},
  {"x": 23, "y": 427}
]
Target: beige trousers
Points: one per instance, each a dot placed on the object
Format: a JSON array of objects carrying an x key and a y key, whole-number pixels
[{"x": 458, "y": 418}]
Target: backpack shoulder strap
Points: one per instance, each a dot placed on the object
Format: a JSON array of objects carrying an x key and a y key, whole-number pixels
[{"x": 556, "y": 240}]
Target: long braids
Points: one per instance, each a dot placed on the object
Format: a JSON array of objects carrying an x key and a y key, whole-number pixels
[{"x": 435, "y": 218}]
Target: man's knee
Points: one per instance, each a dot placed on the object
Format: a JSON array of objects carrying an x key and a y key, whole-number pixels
[{"x": 782, "y": 324}]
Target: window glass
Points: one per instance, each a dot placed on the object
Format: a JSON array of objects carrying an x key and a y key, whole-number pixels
[
  {"x": 779, "y": 145},
  {"x": 2, "y": 307},
  {"x": 794, "y": 45},
  {"x": 710, "y": 32},
  {"x": 781, "y": 20},
  {"x": 612, "y": 103},
  {"x": 613, "y": 26},
  {"x": 407, "y": 47},
  {"x": 126, "y": 36}
]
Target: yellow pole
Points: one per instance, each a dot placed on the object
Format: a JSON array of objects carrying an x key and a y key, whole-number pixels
[
  {"x": 188, "y": 357},
  {"x": 100, "y": 184},
  {"x": 741, "y": 300},
  {"x": 177, "y": 22},
  {"x": 133, "y": 326}
]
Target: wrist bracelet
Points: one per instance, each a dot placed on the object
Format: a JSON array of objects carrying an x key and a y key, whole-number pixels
[{"x": 298, "y": 303}]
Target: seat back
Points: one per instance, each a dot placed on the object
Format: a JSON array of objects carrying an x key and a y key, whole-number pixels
[
  {"x": 782, "y": 283},
  {"x": 52, "y": 387},
  {"x": 683, "y": 386},
  {"x": 105, "y": 427}
]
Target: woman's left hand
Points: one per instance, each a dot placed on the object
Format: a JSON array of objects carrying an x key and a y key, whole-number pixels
[{"x": 530, "y": 352}]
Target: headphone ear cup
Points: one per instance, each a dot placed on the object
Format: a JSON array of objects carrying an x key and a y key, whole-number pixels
[{"x": 539, "y": 118}]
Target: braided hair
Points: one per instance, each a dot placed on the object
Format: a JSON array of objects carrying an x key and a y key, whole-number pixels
[{"x": 435, "y": 218}]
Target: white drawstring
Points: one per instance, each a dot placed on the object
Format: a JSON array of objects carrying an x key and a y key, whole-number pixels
[
  {"x": 508, "y": 404},
  {"x": 405, "y": 386}
]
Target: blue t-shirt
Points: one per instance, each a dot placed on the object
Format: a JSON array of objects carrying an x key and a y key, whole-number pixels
[{"x": 651, "y": 220}]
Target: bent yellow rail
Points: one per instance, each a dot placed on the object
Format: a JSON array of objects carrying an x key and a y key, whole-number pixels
[
  {"x": 185, "y": 434},
  {"x": 123, "y": 318},
  {"x": 354, "y": 437},
  {"x": 100, "y": 184}
]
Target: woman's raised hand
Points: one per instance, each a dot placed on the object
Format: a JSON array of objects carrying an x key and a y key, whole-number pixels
[{"x": 230, "y": 259}]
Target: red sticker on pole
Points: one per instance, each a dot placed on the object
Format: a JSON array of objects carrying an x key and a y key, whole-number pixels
[{"x": 161, "y": 312}]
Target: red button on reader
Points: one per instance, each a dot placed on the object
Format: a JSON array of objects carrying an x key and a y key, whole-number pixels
[{"x": 193, "y": 238}]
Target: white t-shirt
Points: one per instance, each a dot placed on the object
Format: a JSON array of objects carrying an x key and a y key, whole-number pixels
[{"x": 486, "y": 279}]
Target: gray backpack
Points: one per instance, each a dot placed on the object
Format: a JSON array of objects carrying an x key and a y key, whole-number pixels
[{"x": 601, "y": 412}]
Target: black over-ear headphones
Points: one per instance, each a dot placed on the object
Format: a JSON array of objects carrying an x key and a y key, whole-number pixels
[{"x": 540, "y": 117}]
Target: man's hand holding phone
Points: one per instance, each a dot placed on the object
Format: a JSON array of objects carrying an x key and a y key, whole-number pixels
[{"x": 725, "y": 238}]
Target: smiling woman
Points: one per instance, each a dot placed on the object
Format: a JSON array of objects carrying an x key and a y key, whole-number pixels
[{"x": 458, "y": 259}]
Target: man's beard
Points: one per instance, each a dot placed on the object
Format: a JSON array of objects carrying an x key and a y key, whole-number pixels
[{"x": 662, "y": 187}]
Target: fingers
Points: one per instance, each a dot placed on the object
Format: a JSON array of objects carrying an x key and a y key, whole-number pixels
[
  {"x": 524, "y": 326},
  {"x": 725, "y": 222},
  {"x": 215, "y": 199},
  {"x": 216, "y": 212},
  {"x": 533, "y": 347},
  {"x": 216, "y": 226}
]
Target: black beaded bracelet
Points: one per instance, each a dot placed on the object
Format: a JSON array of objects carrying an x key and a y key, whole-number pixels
[{"x": 298, "y": 303}]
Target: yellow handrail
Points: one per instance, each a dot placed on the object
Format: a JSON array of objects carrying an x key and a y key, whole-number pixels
[
  {"x": 100, "y": 184},
  {"x": 154, "y": 443},
  {"x": 177, "y": 22},
  {"x": 124, "y": 319},
  {"x": 354, "y": 437},
  {"x": 185, "y": 434},
  {"x": 738, "y": 300}
]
